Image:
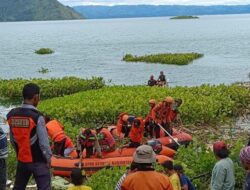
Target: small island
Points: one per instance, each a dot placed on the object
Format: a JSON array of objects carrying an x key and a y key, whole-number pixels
[
  {"x": 166, "y": 58},
  {"x": 43, "y": 51},
  {"x": 185, "y": 17}
]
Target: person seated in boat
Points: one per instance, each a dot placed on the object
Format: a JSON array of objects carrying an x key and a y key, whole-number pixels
[
  {"x": 105, "y": 139},
  {"x": 136, "y": 132},
  {"x": 152, "y": 81},
  {"x": 150, "y": 119},
  {"x": 174, "y": 115},
  {"x": 124, "y": 124},
  {"x": 163, "y": 110},
  {"x": 62, "y": 145},
  {"x": 162, "y": 79},
  {"x": 88, "y": 140},
  {"x": 156, "y": 145}
]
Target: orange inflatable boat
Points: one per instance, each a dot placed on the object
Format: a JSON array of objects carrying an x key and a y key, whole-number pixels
[
  {"x": 179, "y": 136},
  {"x": 124, "y": 152},
  {"x": 63, "y": 166}
]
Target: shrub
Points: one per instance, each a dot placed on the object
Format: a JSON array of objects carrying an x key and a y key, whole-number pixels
[{"x": 49, "y": 87}]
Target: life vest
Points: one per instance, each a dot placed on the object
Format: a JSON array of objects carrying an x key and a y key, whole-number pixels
[
  {"x": 151, "y": 115},
  {"x": 105, "y": 138},
  {"x": 23, "y": 123},
  {"x": 136, "y": 133},
  {"x": 120, "y": 124},
  {"x": 70, "y": 144},
  {"x": 55, "y": 130},
  {"x": 87, "y": 140}
]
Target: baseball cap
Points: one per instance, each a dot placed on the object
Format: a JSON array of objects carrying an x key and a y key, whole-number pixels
[{"x": 219, "y": 145}]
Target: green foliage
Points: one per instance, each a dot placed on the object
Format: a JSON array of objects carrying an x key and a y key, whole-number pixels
[
  {"x": 197, "y": 159},
  {"x": 106, "y": 179},
  {"x": 28, "y": 10},
  {"x": 185, "y": 17},
  {"x": 43, "y": 51},
  {"x": 205, "y": 104},
  {"x": 49, "y": 87},
  {"x": 11, "y": 163},
  {"x": 166, "y": 58}
]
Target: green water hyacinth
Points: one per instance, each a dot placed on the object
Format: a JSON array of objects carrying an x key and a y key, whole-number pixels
[
  {"x": 204, "y": 104},
  {"x": 43, "y": 51},
  {"x": 50, "y": 88},
  {"x": 165, "y": 58}
]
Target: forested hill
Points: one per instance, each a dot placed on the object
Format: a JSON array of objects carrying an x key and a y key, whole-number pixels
[
  {"x": 34, "y": 10},
  {"x": 129, "y": 11}
]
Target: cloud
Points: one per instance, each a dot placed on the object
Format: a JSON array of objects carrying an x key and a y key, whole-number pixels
[{"x": 154, "y": 2}]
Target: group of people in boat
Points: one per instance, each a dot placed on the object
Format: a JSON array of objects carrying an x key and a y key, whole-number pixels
[
  {"x": 160, "y": 120},
  {"x": 161, "y": 81}
]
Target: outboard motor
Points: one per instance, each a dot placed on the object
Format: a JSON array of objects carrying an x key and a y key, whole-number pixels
[{"x": 156, "y": 145}]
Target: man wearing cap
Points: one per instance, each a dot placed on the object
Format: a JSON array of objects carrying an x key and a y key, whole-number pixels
[
  {"x": 223, "y": 171},
  {"x": 145, "y": 177},
  {"x": 245, "y": 161}
]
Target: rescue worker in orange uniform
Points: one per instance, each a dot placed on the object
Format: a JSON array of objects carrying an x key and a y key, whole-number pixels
[
  {"x": 150, "y": 119},
  {"x": 175, "y": 117},
  {"x": 105, "y": 139},
  {"x": 163, "y": 111},
  {"x": 136, "y": 132},
  {"x": 124, "y": 124},
  {"x": 29, "y": 139},
  {"x": 88, "y": 140},
  {"x": 62, "y": 144}
]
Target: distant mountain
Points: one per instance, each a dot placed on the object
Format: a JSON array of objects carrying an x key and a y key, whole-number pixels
[
  {"x": 30, "y": 10},
  {"x": 128, "y": 11}
]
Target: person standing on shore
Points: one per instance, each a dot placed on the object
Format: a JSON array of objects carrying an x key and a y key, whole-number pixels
[
  {"x": 162, "y": 79},
  {"x": 245, "y": 161},
  {"x": 29, "y": 138},
  {"x": 3, "y": 157},
  {"x": 223, "y": 171}
]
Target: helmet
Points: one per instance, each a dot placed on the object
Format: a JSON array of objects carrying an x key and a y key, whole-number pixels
[
  {"x": 152, "y": 101},
  {"x": 169, "y": 99},
  {"x": 99, "y": 126},
  {"x": 125, "y": 118}
]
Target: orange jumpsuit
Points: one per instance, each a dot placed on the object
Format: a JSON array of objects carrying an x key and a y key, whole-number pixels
[{"x": 136, "y": 133}]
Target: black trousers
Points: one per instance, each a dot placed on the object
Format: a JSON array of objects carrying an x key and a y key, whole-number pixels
[
  {"x": 133, "y": 144},
  {"x": 40, "y": 172},
  {"x": 59, "y": 147}
]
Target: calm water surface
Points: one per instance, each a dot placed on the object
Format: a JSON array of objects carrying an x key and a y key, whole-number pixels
[{"x": 95, "y": 48}]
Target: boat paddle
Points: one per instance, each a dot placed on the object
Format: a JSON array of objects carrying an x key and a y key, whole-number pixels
[{"x": 168, "y": 134}]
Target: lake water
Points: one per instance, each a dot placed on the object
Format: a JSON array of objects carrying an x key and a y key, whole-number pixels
[{"x": 95, "y": 48}]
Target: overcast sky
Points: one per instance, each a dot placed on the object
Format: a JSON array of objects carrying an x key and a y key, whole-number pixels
[{"x": 154, "y": 2}]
